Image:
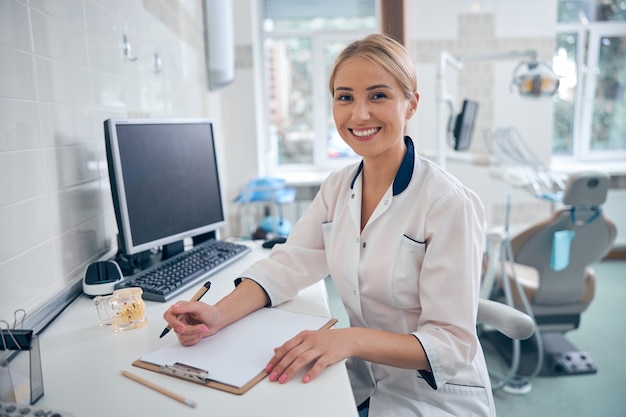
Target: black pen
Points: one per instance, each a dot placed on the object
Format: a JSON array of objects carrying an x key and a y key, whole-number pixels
[{"x": 203, "y": 290}]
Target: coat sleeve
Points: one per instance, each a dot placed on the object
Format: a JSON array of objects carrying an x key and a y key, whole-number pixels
[{"x": 450, "y": 284}]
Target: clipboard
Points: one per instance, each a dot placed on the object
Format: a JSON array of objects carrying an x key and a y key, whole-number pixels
[{"x": 238, "y": 362}]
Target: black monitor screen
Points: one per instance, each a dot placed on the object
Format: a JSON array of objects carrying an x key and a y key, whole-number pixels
[
  {"x": 464, "y": 125},
  {"x": 164, "y": 180}
]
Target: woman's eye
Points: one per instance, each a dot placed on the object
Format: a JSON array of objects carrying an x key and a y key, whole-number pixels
[
  {"x": 343, "y": 97},
  {"x": 378, "y": 96}
]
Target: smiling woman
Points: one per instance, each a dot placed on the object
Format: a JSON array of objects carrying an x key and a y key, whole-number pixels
[{"x": 383, "y": 229}]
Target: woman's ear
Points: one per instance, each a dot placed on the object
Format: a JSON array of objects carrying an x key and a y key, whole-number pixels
[{"x": 412, "y": 105}]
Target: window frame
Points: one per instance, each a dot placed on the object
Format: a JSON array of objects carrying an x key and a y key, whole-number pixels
[
  {"x": 321, "y": 161},
  {"x": 590, "y": 35}
]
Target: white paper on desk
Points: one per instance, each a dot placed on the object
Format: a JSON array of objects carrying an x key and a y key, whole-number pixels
[{"x": 239, "y": 352}]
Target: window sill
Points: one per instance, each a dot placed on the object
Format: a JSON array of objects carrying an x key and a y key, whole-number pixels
[{"x": 613, "y": 168}]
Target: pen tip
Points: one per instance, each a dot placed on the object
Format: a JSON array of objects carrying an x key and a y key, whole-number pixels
[{"x": 164, "y": 332}]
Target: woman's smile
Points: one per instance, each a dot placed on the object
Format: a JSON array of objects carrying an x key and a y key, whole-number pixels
[{"x": 364, "y": 133}]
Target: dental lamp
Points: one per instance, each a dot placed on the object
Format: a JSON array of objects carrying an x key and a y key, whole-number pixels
[
  {"x": 531, "y": 78},
  {"x": 534, "y": 79}
]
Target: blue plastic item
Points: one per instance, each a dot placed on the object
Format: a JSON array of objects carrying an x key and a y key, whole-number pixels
[
  {"x": 276, "y": 225},
  {"x": 267, "y": 190},
  {"x": 561, "y": 244}
]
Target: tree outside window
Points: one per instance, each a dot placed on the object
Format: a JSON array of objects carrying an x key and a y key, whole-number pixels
[{"x": 590, "y": 111}]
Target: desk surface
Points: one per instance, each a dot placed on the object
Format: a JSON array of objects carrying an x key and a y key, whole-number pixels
[{"x": 82, "y": 363}]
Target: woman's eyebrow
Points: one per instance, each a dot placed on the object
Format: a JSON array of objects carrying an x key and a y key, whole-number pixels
[
  {"x": 370, "y": 88},
  {"x": 377, "y": 86}
]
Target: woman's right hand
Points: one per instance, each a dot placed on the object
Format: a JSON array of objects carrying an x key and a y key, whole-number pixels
[{"x": 192, "y": 320}]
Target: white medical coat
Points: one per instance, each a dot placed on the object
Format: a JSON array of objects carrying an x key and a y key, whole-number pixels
[{"x": 415, "y": 268}]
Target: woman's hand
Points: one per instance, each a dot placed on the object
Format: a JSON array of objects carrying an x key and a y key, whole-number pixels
[
  {"x": 192, "y": 320},
  {"x": 320, "y": 348},
  {"x": 325, "y": 347}
]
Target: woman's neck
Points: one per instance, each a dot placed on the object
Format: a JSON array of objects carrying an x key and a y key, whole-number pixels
[{"x": 380, "y": 171}]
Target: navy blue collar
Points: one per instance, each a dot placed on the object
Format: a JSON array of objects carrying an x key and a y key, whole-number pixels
[{"x": 405, "y": 172}]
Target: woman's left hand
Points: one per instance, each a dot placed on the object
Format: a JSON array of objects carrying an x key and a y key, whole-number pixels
[{"x": 320, "y": 348}]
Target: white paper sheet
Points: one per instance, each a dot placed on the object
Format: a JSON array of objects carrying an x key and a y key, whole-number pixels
[{"x": 240, "y": 351}]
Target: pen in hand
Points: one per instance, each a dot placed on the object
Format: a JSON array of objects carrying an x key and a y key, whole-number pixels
[{"x": 198, "y": 295}]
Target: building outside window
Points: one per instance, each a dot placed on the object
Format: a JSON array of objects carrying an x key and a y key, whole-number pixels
[
  {"x": 590, "y": 111},
  {"x": 300, "y": 43}
]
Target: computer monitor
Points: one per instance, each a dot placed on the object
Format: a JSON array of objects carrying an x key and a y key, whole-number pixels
[
  {"x": 464, "y": 125},
  {"x": 164, "y": 180}
]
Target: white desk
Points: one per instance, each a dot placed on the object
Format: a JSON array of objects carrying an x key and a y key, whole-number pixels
[{"x": 82, "y": 364}]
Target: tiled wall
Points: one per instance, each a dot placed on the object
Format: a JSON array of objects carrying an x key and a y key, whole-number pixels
[{"x": 62, "y": 72}]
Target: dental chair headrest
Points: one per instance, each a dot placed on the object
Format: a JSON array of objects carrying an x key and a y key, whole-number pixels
[{"x": 586, "y": 189}]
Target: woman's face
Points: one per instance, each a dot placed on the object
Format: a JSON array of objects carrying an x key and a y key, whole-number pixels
[{"x": 369, "y": 107}]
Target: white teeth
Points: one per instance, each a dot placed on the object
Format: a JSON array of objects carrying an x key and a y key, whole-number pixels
[{"x": 363, "y": 133}]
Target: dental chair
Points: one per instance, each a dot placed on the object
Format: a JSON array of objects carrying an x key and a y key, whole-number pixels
[{"x": 551, "y": 268}]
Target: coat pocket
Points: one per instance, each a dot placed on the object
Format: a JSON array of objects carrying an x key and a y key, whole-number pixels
[{"x": 404, "y": 283}]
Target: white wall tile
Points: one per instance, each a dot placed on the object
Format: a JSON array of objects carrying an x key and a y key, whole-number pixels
[
  {"x": 57, "y": 40},
  {"x": 109, "y": 91},
  {"x": 62, "y": 83},
  {"x": 68, "y": 166},
  {"x": 21, "y": 176},
  {"x": 27, "y": 224},
  {"x": 69, "y": 12},
  {"x": 17, "y": 75},
  {"x": 63, "y": 124},
  {"x": 22, "y": 278},
  {"x": 15, "y": 25},
  {"x": 111, "y": 5},
  {"x": 81, "y": 243},
  {"x": 104, "y": 39},
  {"x": 17, "y": 130},
  {"x": 34, "y": 277}
]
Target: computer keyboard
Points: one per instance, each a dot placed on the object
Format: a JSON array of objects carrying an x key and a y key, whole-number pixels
[
  {"x": 23, "y": 410},
  {"x": 169, "y": 278}
]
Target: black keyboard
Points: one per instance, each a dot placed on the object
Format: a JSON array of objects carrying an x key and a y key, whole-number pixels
[
  {"x": 22, "y": 410},
  {"x": 169, "y": 278}
]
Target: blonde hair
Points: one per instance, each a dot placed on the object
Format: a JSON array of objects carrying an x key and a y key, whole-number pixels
[{"x": 386, "y": 52}]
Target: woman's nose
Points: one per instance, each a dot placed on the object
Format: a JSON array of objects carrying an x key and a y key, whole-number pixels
[{"x": 361, "y": 110}]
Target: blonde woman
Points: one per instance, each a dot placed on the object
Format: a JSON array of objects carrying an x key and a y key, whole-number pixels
[{"x": 402, "y": 241}]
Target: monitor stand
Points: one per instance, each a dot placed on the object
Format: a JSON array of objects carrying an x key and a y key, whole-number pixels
[
  {"x": 172, "y": 249},
  {"x": 204, "y": 237}
]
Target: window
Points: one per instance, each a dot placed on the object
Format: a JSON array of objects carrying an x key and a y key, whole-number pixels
[
  {"x": 590, "y": 112},
  {"x": 300, "y": 43}
]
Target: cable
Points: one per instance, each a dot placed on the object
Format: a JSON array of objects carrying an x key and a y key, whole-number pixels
[{"x": 506, "y": 255}]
